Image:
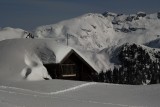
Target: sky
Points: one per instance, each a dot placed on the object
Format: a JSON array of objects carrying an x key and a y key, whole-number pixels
[{"x": 29, "y": 14}]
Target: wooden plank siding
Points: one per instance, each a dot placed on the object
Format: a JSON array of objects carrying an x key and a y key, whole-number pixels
[{"x": 72, "y": 67}]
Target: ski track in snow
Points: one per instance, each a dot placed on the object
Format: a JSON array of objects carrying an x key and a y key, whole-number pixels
[
  {"x": 41, "y": 94},
  {"x": 51, "y": 93},
  {"x": 73, "y": 88}
]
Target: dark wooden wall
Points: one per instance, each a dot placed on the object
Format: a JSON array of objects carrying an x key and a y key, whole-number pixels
[{"x": 82, "y": 70}]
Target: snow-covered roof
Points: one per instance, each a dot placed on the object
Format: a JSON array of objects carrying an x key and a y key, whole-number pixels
[{"x": 61, "y": 51}]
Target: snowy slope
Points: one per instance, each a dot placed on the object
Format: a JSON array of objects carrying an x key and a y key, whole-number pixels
[{"x": 11, "y": 33}]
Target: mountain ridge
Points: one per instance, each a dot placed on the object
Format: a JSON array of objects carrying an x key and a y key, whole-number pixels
[{"x": 99, "y": 35}]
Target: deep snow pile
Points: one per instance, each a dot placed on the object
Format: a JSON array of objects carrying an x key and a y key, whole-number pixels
[
  {"x": 19, "y": 60},
  {"x": 35, "y": 69}
]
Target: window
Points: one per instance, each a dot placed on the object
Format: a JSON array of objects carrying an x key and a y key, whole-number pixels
[{"x": 68, "y": 70}]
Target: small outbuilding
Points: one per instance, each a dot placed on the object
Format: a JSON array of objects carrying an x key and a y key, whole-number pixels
[{"x": 70, "y": 64}]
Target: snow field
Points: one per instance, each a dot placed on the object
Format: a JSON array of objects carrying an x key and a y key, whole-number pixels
[{"x": 85, "y": 94}]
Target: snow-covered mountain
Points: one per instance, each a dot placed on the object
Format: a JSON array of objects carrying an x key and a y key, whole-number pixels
[
  {"x": 96, "y": 31},
  {"x": 107, "y": 31},
  {"x": 87, "y": 32}
]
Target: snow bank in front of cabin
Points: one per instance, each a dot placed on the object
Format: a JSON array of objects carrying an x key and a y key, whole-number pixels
[
  {"x": 19, "y": 60},
  {"x": 35, "y": 69}
]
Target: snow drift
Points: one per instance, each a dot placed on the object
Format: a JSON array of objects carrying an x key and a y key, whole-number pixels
[
  {"x": 18, "y": 60},
  {"x": 35, "y": 69}
]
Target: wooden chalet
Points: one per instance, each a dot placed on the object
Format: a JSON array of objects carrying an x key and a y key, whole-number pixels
[{"x": 72, "y": 66}]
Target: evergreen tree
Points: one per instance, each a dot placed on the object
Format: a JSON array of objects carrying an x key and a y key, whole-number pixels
[
  {"x": 108, "y": 76},
  {"x": 101, "y": 76},
  {"x": 115, "y": 75}
]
